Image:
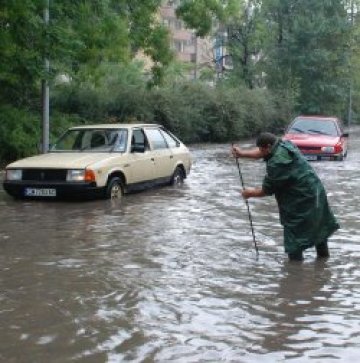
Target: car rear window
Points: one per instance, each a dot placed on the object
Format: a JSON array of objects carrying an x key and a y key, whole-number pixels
[{"x": 314, "y": 126}]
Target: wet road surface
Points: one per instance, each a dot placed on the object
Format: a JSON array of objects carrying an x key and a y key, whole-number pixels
[{"x": 171, "y": 275}]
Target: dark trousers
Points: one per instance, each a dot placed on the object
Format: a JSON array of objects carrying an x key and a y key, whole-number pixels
[
  {"x": 322, "y": 251},
  {"x": 296, "y": 256}
]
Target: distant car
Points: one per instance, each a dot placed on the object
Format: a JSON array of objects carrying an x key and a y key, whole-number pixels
[
  {"x": 101, "y": 161},
  {"x": 318, "y": 137}
]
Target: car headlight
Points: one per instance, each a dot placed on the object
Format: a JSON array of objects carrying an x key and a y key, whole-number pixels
[
  {"x": 13, "y": 174},
  {"x": 80, "y": 175},
  {"x": 328, "y": 149},
  {"x": 75, "y": 175}
]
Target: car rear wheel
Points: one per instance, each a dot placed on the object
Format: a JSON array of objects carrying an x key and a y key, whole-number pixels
[
  {"x": 178, "y": 177},
  {"x": 115, "y": 189}
]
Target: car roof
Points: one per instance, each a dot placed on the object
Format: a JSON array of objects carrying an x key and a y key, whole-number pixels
[
  {"x": 114, "y": 126},
  {"x": 318, "y": 118}
]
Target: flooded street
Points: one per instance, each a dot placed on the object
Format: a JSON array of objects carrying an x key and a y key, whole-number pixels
[{"x": 171, "y": 275}]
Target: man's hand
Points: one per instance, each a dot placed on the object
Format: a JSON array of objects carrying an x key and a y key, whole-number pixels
[
  {"x": 252, "y": 193},
  {"x": 236, "y": 152},
  {"x": 247, "y": 193},
  {"x": 254, "y": 153}
]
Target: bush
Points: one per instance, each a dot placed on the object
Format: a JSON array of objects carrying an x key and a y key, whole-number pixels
[
  {"x": 19, "y": 133},
  {"x": 194, "y": 111},
  {"x": 59, "y": 123}
]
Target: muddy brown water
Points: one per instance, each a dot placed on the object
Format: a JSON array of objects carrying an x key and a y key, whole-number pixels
[{"x": 171, "y": 275}]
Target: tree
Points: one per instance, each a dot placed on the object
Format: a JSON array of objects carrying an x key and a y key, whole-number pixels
[
  {"x": 20, "y": 50},
  {"x": 236, "y": 23},
  {"x": 309, "y": 48},
  {"x": 353, "y": 7},
  {"x": 81, "y": 35},
  {"x": 245, "y": 40},
  {"x": 200, "y": 14}
]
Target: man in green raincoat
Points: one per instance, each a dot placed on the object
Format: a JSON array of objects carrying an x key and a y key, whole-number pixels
[{"x": 301, "y": 197}]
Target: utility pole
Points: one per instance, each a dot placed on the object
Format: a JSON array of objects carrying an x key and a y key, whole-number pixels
[
  {"x": 45, "y": 88},
  {"x": 196, "y": 57},
  {"x": 351, "y": 81}
]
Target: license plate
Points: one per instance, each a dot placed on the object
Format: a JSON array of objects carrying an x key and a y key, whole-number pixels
[
  {"x": 311, "y": 157},
  {"x": 40, "y": 192}
]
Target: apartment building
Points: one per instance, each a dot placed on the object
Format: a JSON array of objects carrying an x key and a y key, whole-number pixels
[{"x": 187, "y": 46}]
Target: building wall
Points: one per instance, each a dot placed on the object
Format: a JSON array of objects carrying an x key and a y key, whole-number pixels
[{"x": 187, "y": 46}]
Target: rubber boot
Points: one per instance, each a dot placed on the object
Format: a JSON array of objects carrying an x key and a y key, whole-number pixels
[
  {"x": 322, "y": 250},
  {"x": 296, "y": 256}
]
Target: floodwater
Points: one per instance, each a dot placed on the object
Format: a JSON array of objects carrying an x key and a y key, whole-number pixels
[{"x": 171, "y": 274}]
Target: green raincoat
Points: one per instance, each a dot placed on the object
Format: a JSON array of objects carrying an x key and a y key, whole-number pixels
[{"x": 301, "y": 197}]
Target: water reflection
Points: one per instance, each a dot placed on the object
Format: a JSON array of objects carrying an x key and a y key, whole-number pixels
[{"x": 300, "y": 302}]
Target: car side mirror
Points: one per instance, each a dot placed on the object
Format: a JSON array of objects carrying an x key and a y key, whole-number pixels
[
  {"x": 345, "y": 134},
  {"x": 138, "y": 148}
]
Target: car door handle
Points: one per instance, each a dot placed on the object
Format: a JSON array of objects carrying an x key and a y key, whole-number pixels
[
  {"x": 152, "y": 159},
  {"x": 171, "y": 156}
]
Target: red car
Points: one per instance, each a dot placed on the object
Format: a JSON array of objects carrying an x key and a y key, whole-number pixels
[{"x": 318, "y": 137}]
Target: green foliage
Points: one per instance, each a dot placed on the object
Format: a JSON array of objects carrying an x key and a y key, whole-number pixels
[
  {"x": 200, "y": 14},
  {"x": 240, "y": 20},
  {"x": 60, "y": 122},
  {"x": 20, "y": 51},
  {"x": 116, "y": 94},
  {"x": 304, "y": 45},
  {"x": 192, "y": 110},
  {"x": 288, "y": 56},
  {"x": 353, "y": 75},
  {"x": 19, "y": 133},
  {"x": 81, "y": 35},
  {"x": 245, "y": 41},
  {"x": 308, "y": 44}
]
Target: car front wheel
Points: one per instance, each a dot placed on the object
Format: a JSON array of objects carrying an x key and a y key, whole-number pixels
[
  {"x": 342, "y": 156},
  {"x": 178, "y": 177},
  {"x": 115, "y": 189}
]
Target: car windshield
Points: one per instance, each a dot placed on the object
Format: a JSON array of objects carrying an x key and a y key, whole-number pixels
[
  {"x": 314, "y": 126},
  {"x": 93, "y": 140}
]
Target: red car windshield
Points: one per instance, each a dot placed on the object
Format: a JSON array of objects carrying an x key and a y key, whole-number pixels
[{"x": 314, "y": 126}]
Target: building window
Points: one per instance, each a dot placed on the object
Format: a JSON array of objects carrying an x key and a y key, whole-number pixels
[
  {"x": 179, "y": 46},
  {"x": 191, "y": 41},
  {"x": 178, "y": 24},
  {"x": 173, "y": 2}
]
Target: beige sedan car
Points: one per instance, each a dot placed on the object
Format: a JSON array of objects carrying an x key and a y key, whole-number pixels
[{"x": 101, "y": 161}]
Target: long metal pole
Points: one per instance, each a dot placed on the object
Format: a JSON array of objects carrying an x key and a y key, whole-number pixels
[
  {"x": 350, "y": 67},
  {"x": 196, "y": 58},
  {"x": 46, "y": 91},
  {"x": 248, "y": 207}
]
